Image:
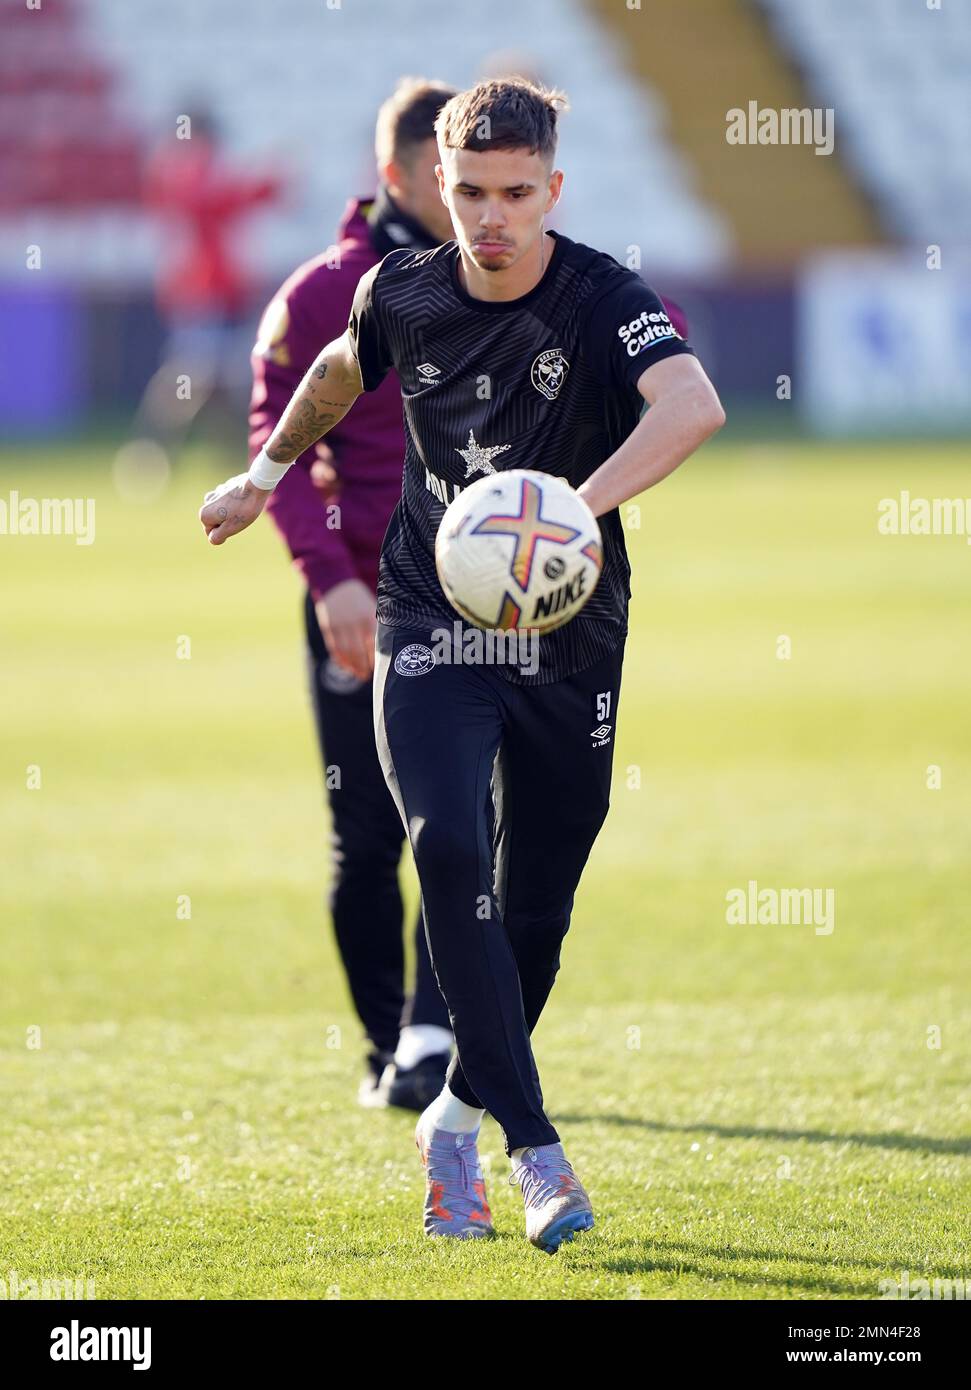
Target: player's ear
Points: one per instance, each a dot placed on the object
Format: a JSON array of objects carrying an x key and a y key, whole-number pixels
[
  {"x": 390, "y": 174},
  {"x": 555, "y": 188},
  {"x": 440, "y": 175}
]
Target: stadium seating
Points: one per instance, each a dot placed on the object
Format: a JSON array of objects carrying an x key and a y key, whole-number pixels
[
  {"x": 708, "y": 58},
  {"x": 896, "y": 74},
  {"x": 87, "y": 86},
  {"x": 64, "y": 143},
  {"x": 295, "y": 87}
]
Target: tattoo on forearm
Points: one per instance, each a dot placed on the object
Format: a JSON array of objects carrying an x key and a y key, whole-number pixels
[
  {"x": 309, "y": 415},
  {"x": 304, "y": 427}
]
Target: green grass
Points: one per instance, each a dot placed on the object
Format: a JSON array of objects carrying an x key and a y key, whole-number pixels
[{"x": 755, "y": 1109}]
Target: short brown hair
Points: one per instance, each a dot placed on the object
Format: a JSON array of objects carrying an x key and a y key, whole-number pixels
[
  {"x": 505, "y": 113},
  {"x": 407, "y": 118}
]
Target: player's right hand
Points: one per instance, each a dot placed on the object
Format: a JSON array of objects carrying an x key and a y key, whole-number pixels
[
  {"x": 347, "y": 622},
  {"x": 231, "y": 507}
]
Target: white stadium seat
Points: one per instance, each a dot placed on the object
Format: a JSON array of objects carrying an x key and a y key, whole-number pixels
[
  {"x": 897, "y": 75},
  {"x": 296, "y": 87}
]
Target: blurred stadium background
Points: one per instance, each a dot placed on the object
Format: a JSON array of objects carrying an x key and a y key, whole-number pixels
[
  {"x": 769, "y": 247},
  {"x": 761, "y": 1111}
]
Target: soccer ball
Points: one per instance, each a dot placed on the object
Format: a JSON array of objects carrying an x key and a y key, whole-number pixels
[{"x": 518, "y": 549}]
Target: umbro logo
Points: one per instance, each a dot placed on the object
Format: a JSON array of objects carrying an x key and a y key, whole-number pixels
[
  {"x": 428, "y": 374},
  {"x": 601, "y": 735}
]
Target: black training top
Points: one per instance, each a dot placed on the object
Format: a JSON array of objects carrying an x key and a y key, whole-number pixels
[{"x": 547, "y": 381}]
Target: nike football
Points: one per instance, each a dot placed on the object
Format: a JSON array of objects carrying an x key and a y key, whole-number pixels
[{"x": 520, "y": 550}]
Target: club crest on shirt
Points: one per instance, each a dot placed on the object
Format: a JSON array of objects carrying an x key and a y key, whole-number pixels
[
  {"x": 548, "y": 372},
  {"x": 415, "y": 660}
]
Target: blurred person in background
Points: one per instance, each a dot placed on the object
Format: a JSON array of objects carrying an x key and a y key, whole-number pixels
[
  {"x": 202, "y": 288},
  {"x": 332, "y": 510}
]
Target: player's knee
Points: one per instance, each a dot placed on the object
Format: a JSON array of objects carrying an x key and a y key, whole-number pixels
[
  {"x": 443, "y": 846},
  {"x": 537, "y": 936}
]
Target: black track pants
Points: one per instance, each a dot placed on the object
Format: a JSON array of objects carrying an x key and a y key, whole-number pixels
[
  {"x": 502, "y": 790},
  {"x": 366, "y": 844}
]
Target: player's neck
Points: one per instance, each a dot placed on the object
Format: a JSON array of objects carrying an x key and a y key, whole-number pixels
[{"x": 519, "y": 279}]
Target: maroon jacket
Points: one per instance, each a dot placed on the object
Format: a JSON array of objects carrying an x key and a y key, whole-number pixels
[{"x": 309, "y": 311}]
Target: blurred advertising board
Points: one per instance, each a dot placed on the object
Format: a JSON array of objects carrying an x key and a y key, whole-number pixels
[{"x": 883, "y": 342}]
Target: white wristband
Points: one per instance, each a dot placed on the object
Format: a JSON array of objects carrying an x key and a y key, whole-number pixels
[{"x": 264, "y": 473}]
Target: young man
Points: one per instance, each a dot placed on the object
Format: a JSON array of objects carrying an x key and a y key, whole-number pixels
[
  {"x": 465, "y": 326},
  {"x": 356, "y": 478}
]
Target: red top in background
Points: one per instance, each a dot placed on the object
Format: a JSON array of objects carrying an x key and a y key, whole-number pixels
[{"x": 189, "y": 184}]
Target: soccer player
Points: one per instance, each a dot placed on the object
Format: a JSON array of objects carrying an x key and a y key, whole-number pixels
[
  {"x": 355, "y": 478},
  {"x": 467, "y": 327}
]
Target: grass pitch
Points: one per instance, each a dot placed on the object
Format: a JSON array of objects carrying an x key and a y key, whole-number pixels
[{"x": 758, "y": 1111}]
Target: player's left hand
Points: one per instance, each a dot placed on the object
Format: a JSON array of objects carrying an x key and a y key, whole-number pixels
[
  {"x": 231, "y": 507},
  {"x": 324, "y": 474},
  {"x": 346, "y": 617}
]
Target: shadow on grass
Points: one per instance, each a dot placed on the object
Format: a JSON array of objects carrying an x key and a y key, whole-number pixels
[
  {"x": 916, "y": 1142},
  {"x": 888, "y": 1266},
  {"x": 697, "y": 1265},
  {"x": 698, "y": 1259}
]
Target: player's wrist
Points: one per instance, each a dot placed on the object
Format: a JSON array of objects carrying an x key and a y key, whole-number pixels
[
  {"x": 264, "y": 473},
  {"x": 589, "y": 496}
]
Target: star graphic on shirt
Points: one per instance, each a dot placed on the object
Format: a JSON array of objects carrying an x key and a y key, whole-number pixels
[{"x": 478, "y": 458}]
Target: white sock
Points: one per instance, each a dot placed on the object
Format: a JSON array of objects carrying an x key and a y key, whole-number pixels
[
  {"x": 449, "y": 1113},
  {"x": 416, "y": 1041}
]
